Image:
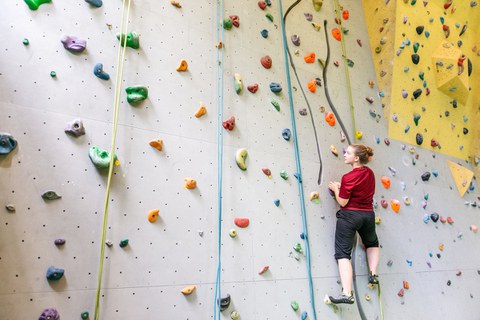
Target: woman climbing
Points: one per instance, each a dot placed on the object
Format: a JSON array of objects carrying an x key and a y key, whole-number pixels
[{"x": 355, "y": 197}]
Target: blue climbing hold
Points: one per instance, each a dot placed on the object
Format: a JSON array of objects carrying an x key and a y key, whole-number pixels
[
  {"x": 98, "y": 71},
  {"x": 95, "y": 3},
  {"x": 297, "y": 175},
  {"x": 286, "y": 134},
  {"x": 426, "y": 218},
  {"x": 407, "y": 128},
  {"x": 435, "y": 173},
  {"x": 54, "y": 273},
  {"x": 275, "y": 87},
  {"x": 7, "y": 143},
  {"x": 302, "y": 236},
  {"x": 264, "y": 33},
  {"x": 276, "y": 202},
  {"x": 304, "y": 315},
  {"x": 442, "y": 20},
  {"x": 427, "y": 34}
]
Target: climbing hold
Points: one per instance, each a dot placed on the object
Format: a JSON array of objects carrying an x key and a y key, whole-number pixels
[
  {"x": 310, "y": 58},
  {"x": 188, "y": 290},
  {"x": 417, "y": 93},
  {"x": 267, "y": 172},
  {"x": 298, "y": 247},
  {"x": 312, "y": 85},
  {"x": 262, "y": 4},
  {"x": 386, "y": 182},
  {"x": 50, "y": 195},
  {"x": 295, "y": 40},
  {"x": 419, "y": 29},
  {"x": 276, "y": 202},
  {"x": 284, "y": 175},
  {"x": 404, "y": 94},
  {"x": 358, "y": 134},
  {"x": 175, "y": 4},
  {"x": 334, "y": 150},
  {"x": 449, "y": 220},
  {"x": 275, "y": 87},
  {"x": 342, "y": 136},
  {"x": 136, "y": 94},
  {"x": 407, "y": 127},
  {"x": 416, "y": 118},
  {"x": 317, "y": 4},
  {"x": 266, "y": 62},
  {"x": 73, "y": 44},
  {"x": 253, "y": 88},
  {"x": 123, "y": 243},
  {"x": 59, "y": 242},
  {"x": 263, "y": 270},
  {"x": 54, "y": 273},
  {"x": 238, "y": 83},
  {"x": 34, "y": 4},
  {"x": 132, "y": 40},
  {"x": 416, "y": 45},
  {"x": 227, "y": 23},
  {"x": 235, "y": 315},
  {"x": 378, "y": 220},
  {"x": 350, "y": 63},
  {"x": 434, "y": 216},
  {"x": 275, "y": 104},
  {"x": 99, "y": 73},
  {"x": 345, "y": 14},
  {"x": 241, "y": 157},
  {"x": 152, "y": 215},
  {"x": 395, "y": 205},
  {"x": 10, "y": 207},
  {"x": 84, "y": 315},
  {"x": 232, "y": 233},
  {"x": 189, "y": 183},
  {"x": 183, "y": 66},
  {"x": 202, "y": 110},
  {"x": 330, "y": 118},
  {"x": 304, "y": 315},
  {"x": 157, "y": 144},
  {"x": 415, "y": 58},
  {"x": 384, "y": 204},
  {"x": 419, "y": 138},
  {"x": 264, "y": 33},
  {"x": 269, "y": 17},
  {"x": 225, "y": 303},
  {"x": 241, "y": 222},
  {"x": 95, "y": 3},
  {"x": 314, "y": 196},
  {"x": 49, "y": 313},
  {"x": 473, "y": 228},
  {"x": 406, "y": 201},
  {"x": 370, "y": 99},
  {"x": 359, "y": 41},
  {"x": 75, "y": 128},
  {"x": 235, "y": 20},
  {"x": 426, "y": 176},
  {"x": 336, "y": 34},
  {"x": 465, "y": 130},
  {"x": 308, "y": 16},
  {"x": 378, "y": 49},
  {"x": 316, "y": 26},
  {"x": 294, "y": 305},
  {"x": 229, "y": 124},
  {"x": 286, "y": 134},
  {"x": 7, "y": 143}
]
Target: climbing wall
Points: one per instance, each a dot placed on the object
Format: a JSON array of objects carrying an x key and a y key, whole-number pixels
[{"x": 144, "y": 279}]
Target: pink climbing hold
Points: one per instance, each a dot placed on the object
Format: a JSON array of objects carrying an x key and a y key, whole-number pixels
[
  {"x": 263, "y": 270},
  {"x": 241, "y": 222},
  {"x": 229, "y": 124},
  {"x": 384, "y": 204},
  {"x": 267, "y": 172},
  {"x": 401, "y": 292}
]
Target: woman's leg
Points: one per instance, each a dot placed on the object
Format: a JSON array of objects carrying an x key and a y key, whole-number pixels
[
  {"x": 346, "y": 275},
  {"x": 373, "y": 255}
]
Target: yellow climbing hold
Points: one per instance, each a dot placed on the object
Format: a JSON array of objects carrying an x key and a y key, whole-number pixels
[
  {"x": 153, "y": 215},
  {"x": 201, "y": 111},
  {"x": 188, "y": 290},
  {"x": 317, "y": 4},
  {"x": 183, "y": 66},
  {"x": 358, "y": 134}
]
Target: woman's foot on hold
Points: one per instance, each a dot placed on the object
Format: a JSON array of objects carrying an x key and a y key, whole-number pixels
[
  {"x": 373, "y": 279},
  {"x": 342, "y": 298}
]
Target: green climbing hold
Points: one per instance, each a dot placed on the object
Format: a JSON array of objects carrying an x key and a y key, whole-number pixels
[
  {"x": 413, "y": 2},
  {"x": 378, "y": 49},
  {"x": 84, "y": 315},
  {"x": 53, "y": 74},
  {"x": 26, "y": 42},
  {"x": 284, "y": 174},
  {"x": 421, "y": 75},
  {"x": 350, "y": 63},
  {"x": 34, "y": 4},
  {"x": 276, "y": 105},
  {"x": 238, "y": 83},
  {"x": 415, "y": 58},
  {"x": 269, "y": 17},
  {"x": 298, "y": 247},
  {"x": 227, "y": 23},
  {"x": 317, "y": 4},
  {"x": 416, "y": 117},
  {"x": 100, "y": 158},
  {"x": 294, "y": 305},
  {"x": 123, "y": 243},
  {"x": 136, "y": 94},
  {"x": 133, "y": 40},
  {"x": 416, "y": 45}
]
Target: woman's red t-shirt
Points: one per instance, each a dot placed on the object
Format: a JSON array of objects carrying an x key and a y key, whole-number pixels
[{"x": 359, "y": 187}]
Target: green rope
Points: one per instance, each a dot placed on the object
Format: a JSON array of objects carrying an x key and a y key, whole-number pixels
[
  {"x": 347, "y": 73},
  {"x": 116, "y": 103}
]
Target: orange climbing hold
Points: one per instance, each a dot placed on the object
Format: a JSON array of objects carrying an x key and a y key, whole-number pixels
[
  {"x": 241, "y": 222},
  {"x": 330, "y": 118},
  {"x": 188, "y": 290},
  {"x": 406, "y": 285},
  {"x": 345, "y": 14},
  {"x": 153, "y": 215},
  {"x": 201, "y": 111},
  {"x": 190, "y": 183},
  {"x": 183, "y": 66},
  {"x": 385, "y": 181},
  {"x": 336, "y": 34},
  {"x": 312, "y": 85},
  {"x": 310, "y": 58},
  {"x": 157, "y": 144},
  {"x": 395, "y": 204}
]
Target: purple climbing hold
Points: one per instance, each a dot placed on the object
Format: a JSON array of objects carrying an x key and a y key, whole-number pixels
[
  {"x": 59, "y": 242},
  {"x": 303, "y": 112},
  {"x": 295, "y": 39},
  {"x": 49, "y": 314},
  {"x": 404, "y": 93},
  {"x": 308, "y": 16},
  {"x": 73, "y": 44},
  {"x": 75, "y": 128}
]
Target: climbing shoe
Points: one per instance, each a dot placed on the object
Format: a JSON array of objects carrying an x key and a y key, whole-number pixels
[
  {"x": 343, "y": 298},
  {"x": 373, "y": 279}
]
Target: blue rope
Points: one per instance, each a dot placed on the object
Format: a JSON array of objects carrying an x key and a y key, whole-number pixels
[
  {"x": 298, "y": 166},
  {"x": 220, "y": 90}
]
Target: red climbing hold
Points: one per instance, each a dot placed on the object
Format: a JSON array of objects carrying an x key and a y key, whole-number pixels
[
  {"x": 447, "y": 4},
  {"x": 266, "y": 62},
  {"x": 235, "y": 20},
  {"x": 449, "y": 220},
  {"x": 253, "y": 88},
  {"x": 401, "y": 292},
  {"x": 262, "y": 4},
  {"x": 229, "y": 124},
  {"x": 241, "y": 222},
  {"x": 345, "y": 14},
  {"x": 336, "y": 34}
]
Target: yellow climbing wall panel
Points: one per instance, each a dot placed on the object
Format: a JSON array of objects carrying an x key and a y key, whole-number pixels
[
  {"x": 461, "y": 175},
  {"x": 439, "y": 48}
]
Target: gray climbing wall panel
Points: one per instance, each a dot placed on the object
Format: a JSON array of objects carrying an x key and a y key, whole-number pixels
[{"x": 144, "y": 279}]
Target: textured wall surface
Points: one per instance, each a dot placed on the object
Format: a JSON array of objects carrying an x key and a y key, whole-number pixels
[{"x": 144, "y": 279}]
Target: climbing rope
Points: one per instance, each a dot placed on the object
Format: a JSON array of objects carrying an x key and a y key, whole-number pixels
[
  {"x": 347, "y": 72},
  {"x": 220, "y": 7},
  {"x": 325, "y": 84},
  {"x": 298, "y": 166},
  {"x": 320, "y": 171},
  {"x": 116, "y": 104}
]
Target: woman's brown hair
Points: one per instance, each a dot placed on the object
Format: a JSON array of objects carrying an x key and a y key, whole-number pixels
[{"x": 363, "y": 153}]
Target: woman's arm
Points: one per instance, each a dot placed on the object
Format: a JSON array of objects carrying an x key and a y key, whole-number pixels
[{"x": 335, "y": 187}]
